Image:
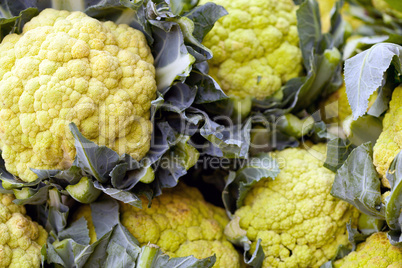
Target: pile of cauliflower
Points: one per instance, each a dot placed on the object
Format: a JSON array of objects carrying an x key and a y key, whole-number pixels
[{"x": 68, "y": 67}]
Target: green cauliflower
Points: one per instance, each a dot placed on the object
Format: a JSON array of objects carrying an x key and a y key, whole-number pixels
[
  {"x": 21, "y": 239},
  {"x": 299, "y": 222},
  {"x": 255, "y": 47},
  {"x": 375, "y": 252}
]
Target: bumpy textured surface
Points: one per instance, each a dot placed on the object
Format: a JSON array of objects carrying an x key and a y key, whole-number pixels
[
  {"x": 375, "y": 252},
  {"x": 21, "y": 239},
  {"x": 255, "y": 46},
  {"x": 180, "y": 222},
  {"x": 299, "y": 222},
  {"x": 389, "y": 143},
  {"x": 67, "y": 67}
]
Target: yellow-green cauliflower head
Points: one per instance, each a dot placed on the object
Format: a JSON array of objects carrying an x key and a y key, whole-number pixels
[
  {"x": 255, "y": 47},
  {"x": 68, "y": 67},
  {"x": 21, "y": 239},
  {"x": 299, "y": 222},
  {"x": 389, "y": 143},
  {"x": 375, "y": 252},
  {"x": 180, "y": 222}
]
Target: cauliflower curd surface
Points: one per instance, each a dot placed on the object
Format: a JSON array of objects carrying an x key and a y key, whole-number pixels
[
  {"x": 255, "y": 47},
  {"x": 375, "y": 252},
  {"x": 299, "y": 222},
  {"x": 21, "y": 239},
  {"x": 68, "y": 67},
  {"x": 180, "y": 222}
]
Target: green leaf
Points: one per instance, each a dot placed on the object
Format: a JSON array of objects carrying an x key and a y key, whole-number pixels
[
  {"x": 364, "y": 73},
  {"x": 358, "y": 183},
  {"x": 338, "y": 151},
  {"x": 393, "y": 202},
  {"x": 121, "y": 195},
  {"x": 309, "y": 29},
  {"x": 204, "y": 18},
  {"x": 163, "y": 260},
  {"x": 240, "y": 182},
  {"x": 78, "y": 231},
  {"x": 257, "y": 257},
  {"x": 172, "y": 60},
  {"x": 355, "y": 236},
  {"x": 356, "y": 130},
  {"x": 341, "y": 252},
  {"x": 93, "y": 159}
]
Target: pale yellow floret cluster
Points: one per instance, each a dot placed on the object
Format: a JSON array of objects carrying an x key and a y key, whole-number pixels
[
  {"x": 375, "y": 252},
  {"x": 299, "y": 222},
  {"x": 67, "y": 67},
  {"x": 181, "y": 223},
  {"x": 21, "y": 239},
  {"x": 389, "y": 143},
  {"x": 255, "y": 47}
]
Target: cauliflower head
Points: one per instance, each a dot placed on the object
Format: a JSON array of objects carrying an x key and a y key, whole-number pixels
[
  {"x": 21, "y": 239},
  {"x": 255, "y": 47},
  {"x": 68, "y": 67},
  {"x": 390, "y": 141},
  {"x": 375, "y": 252},
  {"x": 299, "y": 222},
  {"x": 180, "y": 222}
]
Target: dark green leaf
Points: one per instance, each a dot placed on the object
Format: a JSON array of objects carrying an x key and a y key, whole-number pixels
[
  {"x": 337, "y": 152},
  {"x": 358, "y": 183},
  {"x": 364, "y": 73}
]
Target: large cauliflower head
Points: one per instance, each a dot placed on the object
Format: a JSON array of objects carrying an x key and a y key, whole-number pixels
[
  {"x": 68, "y": 67},
  {"x": 180, "y": 222},
  {"x": 376, "y": 252},
  {"x": 21, "y": 239},
  {"x": 389, "y": 143},
  {"x": 255, "y": 47},
  {"x": 299, "y": 222}
]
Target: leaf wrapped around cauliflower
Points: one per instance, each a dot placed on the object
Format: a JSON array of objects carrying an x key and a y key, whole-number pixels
[
  {"x": 68, "y": 67},
  {"x": 297, "y": 220},
  {"x": 376, "y": 252},
  {"x": 180, "y": 222},
  {"x": 21, "y": 239},
  {"x": 255, "y": 47}
]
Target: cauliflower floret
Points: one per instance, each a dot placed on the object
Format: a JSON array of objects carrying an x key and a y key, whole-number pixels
[
  {"x": 299, "y": 222},
  {"x": 180, "y": 222},
  {"x": 376, "y": 252},
  {"x": 255, "y": 47},
  {"x": 68, "y": 67},
  {"x": 390, "y": 141},
  {"x": 21, "y": 239}
]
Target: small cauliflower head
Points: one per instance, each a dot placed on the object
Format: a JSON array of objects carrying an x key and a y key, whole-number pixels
[
  {"x": 375, "y": 252},
  {"x": 255, "y": 47},
  {"x": 68, "y": 67},
  {"x": 180, "y": 222},
  {"x": 21, "y": 239},
  {"x": 389, "y": 143},
  {"x": 299, "y": 222}
]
